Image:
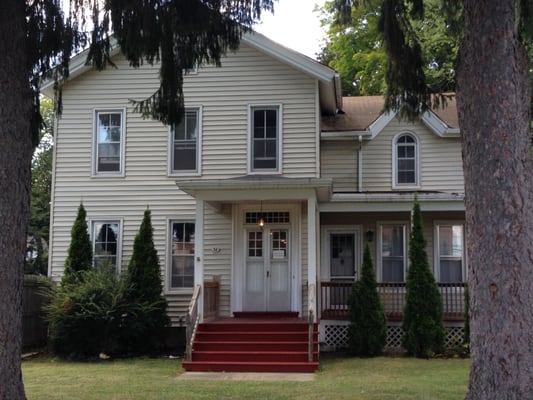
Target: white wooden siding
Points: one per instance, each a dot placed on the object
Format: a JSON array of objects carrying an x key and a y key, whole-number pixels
[
  {"x": 247, "y": 77},
  {"x": 440, "y": 164},
  {"x": 338, "y": 160},
  {"x": 217, "y": 252}
]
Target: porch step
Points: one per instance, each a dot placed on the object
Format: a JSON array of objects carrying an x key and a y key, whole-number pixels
[
  {"x": 253, "y": 344},
  {"x": 266, "y": 314},
  {"x": 213, "y": 366}
]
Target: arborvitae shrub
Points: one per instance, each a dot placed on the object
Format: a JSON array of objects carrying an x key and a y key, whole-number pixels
[
  {"x": 145, "y": 285},
  {"x": 367, "y": 333},
  {"x": 80, "y": 252},
  {"x": 422, "y": 322}
]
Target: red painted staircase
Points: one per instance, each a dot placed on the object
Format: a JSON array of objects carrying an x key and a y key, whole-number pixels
[{"x": 254, "y": 342}]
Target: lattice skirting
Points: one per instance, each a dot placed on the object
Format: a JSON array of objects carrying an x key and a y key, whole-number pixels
[{"x": 333, "y": 336}]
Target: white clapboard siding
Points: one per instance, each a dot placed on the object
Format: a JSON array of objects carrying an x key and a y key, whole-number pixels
[
  {"x": 218, "y": 253},
  {"x": 247, "y": 77},
  {"x": 440, "y": 166},
  {"x": 338, "y": 161}
]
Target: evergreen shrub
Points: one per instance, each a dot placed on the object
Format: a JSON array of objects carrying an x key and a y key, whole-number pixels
[
  {"x": 80, "y": 251},
  {"x": 145, "y": 285},
  {"x": 367, "y": 333},
  {"x": 423, "y": 328}
]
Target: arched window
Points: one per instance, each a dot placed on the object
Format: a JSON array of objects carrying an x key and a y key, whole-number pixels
[{"x": 405, "y": 161}]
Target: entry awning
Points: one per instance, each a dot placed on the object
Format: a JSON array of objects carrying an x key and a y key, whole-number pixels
[{"x": 257, "y": 187}]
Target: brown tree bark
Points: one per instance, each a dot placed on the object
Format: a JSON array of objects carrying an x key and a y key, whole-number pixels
[
  {"x": 15, "y": 180},
  {"x": 493, "y": 94}
]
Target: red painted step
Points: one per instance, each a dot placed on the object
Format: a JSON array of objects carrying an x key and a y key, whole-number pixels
[
  {"x": 254, "y": 342},
  {"x": 214, "y": 366}
]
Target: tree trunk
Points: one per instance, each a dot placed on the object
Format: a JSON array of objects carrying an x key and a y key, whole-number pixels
[
  {"x": 15, "y": 181},
  {"x": 493, "y": 94}
]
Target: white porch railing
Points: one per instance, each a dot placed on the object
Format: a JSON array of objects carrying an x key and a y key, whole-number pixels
[{"x": 193, "y": 319}]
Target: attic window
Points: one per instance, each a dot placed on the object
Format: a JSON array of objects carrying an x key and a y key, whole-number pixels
[{"x": 406, "y": 160}]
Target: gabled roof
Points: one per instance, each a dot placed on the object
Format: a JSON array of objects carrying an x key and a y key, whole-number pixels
[
  {"x": 328, "y": 79},
  {"x": 363, "y": 115}
]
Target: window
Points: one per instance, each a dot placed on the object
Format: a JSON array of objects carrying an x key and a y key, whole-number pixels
[
  {"x": 450, "y": 256},
  {"x": 109, "y": 142},
  {"x": 405, "y": 161},
  {"x": 106, "y": 240},
  {"x": 185, "y": 143},
  {"x": 342, "y": 256},
  {"x": 182, "y": 269},
  {"x": 265, "y": 139},
  {"x": 393, "y": 252}
]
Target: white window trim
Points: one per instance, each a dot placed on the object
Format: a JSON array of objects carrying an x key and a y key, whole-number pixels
[
  {"x": 395, "y": 184},
  {"x": 168, "y": 289},
  {"x": 436, "y": 255},
  {"x": 357, "y": 231},
  {"x": 379, "y": 260},
  {"x": 170, "y": 156},
  {"x": 108, "y": 220},
  {"x": 279, "y": 168},
  {"x": 94, "y": 160}
]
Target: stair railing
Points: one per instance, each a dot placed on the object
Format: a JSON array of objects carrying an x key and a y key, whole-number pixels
[
  {"x": 311, "y": 318},
  {"x": 193, "y": 318}
]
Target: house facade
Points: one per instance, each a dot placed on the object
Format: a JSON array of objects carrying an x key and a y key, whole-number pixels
[{"x": 270, "y": 186}]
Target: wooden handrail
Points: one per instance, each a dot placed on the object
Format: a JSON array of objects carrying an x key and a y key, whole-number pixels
[
  {"x": 193, "y": 318},
  {"x": 311, "y": 300}
]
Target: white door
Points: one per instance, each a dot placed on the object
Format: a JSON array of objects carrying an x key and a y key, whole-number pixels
[{"x": 267, "y": 269}]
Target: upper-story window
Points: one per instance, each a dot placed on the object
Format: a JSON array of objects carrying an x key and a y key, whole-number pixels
[
  {"x": 109, "y": 142},
  {"x": 265, "y": 139},
  {"x": 406, "y": 161},
  {"x": 185, "y": 144},
  {"x": 106, "y": 243}
]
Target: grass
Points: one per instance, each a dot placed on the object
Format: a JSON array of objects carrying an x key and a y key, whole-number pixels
[{"x": 341, "y": 378}]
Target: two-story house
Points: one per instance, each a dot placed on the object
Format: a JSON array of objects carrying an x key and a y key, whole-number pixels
[{"x": 270, "y": 186}]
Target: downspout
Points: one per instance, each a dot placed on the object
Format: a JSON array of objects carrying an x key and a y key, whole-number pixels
[{"x": 360, "y": 165}]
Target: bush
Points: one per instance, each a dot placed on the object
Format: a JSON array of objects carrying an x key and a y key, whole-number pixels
[
  {"x": 424, "y": 332},
  {"x": 367, "y": 333},
  {"x": 144, "y": 285},
  {"x": 80, "y": 251},
  {"x": 95, "y": 316}
]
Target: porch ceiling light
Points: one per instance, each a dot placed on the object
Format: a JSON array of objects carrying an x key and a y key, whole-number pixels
[{"x": 261, "y": 219}]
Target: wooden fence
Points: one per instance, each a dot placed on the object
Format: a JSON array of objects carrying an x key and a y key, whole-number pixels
[{"x": 34, "y": 326}]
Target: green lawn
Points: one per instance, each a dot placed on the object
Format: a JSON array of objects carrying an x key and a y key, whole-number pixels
[{"x": 343, "y": 378}]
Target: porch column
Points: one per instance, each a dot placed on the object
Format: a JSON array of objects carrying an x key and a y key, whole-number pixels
[
  {"x": 199, "y": 254},
  {"x": 311, "y": 246}
]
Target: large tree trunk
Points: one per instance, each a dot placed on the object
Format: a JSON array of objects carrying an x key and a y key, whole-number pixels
[
  {"x": 15, "y": 180},
  {"x": 493, "y": 93}
]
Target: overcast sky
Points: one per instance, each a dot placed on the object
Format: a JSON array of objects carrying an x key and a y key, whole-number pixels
[{"x": 294, "y": 25}]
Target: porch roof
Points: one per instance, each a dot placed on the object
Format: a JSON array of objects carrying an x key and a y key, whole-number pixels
[{"x": 257, "y": 187}]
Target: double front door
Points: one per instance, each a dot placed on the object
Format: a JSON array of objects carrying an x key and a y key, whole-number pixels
[{"x": 267, "y": 269}]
